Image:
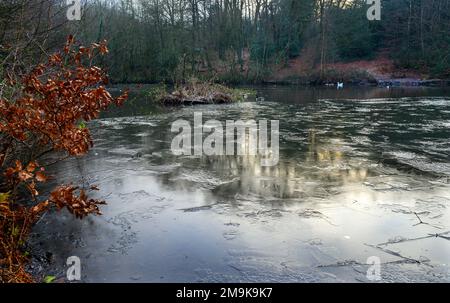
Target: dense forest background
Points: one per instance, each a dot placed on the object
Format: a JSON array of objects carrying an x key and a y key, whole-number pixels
[{"x": 230, "y": 40}]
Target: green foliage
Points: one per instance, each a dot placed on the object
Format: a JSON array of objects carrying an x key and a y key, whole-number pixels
[
  {"x": 352, "y": 33},
  {"x": 418, "y": 32},
  {"x": 4, "y": 197},
  {"x": 49, "y": 279}
]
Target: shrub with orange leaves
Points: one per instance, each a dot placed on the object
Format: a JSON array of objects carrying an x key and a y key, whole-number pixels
[{"x": 46, "y": 114}]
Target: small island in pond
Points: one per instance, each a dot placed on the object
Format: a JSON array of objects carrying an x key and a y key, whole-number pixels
[{"x": 197, "y": 92}]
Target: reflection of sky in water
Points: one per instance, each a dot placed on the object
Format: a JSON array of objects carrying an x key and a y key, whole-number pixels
[{"x": 352, "y": 174}]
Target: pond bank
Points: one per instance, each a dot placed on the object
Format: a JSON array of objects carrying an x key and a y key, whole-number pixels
[{"x": 392, "y": 82}]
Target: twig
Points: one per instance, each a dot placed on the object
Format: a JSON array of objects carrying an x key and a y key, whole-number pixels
[{"x": 421, "y": 222}]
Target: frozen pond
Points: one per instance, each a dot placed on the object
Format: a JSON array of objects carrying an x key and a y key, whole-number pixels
[{"x": 362, "y": 172}]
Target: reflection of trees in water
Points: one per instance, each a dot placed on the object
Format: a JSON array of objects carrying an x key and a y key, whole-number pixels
[
  {"x": 316, "y": 167},
  {"x": 318, "y": 172},
  {"x": 331, "y": 161}
]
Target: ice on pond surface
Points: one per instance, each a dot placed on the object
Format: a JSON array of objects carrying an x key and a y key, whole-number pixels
[{"x": 357, "y": 177}]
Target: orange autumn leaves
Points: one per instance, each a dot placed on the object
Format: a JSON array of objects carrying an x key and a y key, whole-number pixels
[
  {"x": 56, "y": 96},
  {"x": 79, "y": 205},
  {"x": 56, "y": 99},
  {"x": 47, "y": 114},
  {"x": 26, "y": 175}
]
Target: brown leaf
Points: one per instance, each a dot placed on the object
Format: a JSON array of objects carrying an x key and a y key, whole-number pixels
[
  {"x": 24, "y": 175},
  {"x": 41, "y": 177}
]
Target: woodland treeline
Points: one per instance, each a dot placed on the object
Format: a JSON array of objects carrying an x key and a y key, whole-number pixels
[{"x": 229, "y": 40}]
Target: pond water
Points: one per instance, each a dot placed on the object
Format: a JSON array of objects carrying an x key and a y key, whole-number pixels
[{"x": 363, "y": 172}]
